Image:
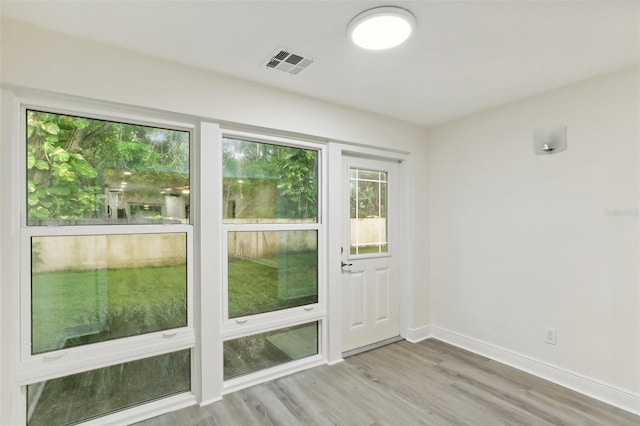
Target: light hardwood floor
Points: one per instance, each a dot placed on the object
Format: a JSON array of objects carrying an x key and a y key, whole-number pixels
[{"x": 428, "y": 383}]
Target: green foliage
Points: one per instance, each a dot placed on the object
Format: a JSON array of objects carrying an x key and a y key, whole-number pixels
[
  {"x": 298, "y": 182},
  {"x": 366, "y": 202},
  {"x": 369, "y": 198},
  {"x": 253, "y": 169},
  {"x": 60, "y": 181},
  {"x": 69, "y": 160}
]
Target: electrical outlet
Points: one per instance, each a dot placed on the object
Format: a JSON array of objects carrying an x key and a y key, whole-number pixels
[{"x": 551, "y": 336}]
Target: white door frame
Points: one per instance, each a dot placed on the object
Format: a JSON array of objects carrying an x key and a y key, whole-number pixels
[{"x": 334, "y": 220}]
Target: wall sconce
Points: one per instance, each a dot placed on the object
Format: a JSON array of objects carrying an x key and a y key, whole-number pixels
[{"x": 550, "y": 139}]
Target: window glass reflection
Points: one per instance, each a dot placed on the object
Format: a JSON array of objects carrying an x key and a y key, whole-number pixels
[
  {"x": 87, "y": 171},
  {"x": 93, "y": 288},
  {"x": 259, "y": 351},
  {"x": 269, "y": 183},
  {"x": 272, "y": 270},
  {"x": 84, "y": 396}
]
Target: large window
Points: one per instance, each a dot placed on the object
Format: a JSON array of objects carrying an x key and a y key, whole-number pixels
[
  {"x": 106, "y": 290},
  {"x": 273, "y": 236}
]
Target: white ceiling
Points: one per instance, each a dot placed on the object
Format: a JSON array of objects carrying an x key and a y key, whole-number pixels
[{"x": 463, "y": 56}]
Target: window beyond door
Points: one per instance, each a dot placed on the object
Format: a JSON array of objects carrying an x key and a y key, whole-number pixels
[{"x": 368, "y": 217}]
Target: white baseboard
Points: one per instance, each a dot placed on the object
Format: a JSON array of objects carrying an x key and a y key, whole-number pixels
[
  {"x": 621, "y": 398},
  {"x": 414, "y": 335}
]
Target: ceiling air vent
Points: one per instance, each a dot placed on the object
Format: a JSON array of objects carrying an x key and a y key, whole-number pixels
[{"x": 284, "y": 60}]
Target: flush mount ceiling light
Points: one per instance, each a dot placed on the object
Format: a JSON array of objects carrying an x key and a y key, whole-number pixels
[{"x": 381, "y": 27}]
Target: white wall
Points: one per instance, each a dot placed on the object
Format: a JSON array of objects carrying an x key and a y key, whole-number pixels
[
  {"x": 39, "y": 59},
  {"x": 520, "y": 242}
]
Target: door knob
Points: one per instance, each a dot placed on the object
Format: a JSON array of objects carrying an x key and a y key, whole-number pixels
[{"x": 345, "y": 264}]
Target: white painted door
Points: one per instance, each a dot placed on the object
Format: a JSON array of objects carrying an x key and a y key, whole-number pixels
[{"x": 370, "y": 252}]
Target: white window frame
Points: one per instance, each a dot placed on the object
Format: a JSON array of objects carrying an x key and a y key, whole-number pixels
[
  {"x": 63, "y": 362},
  {"x": 17, "y": 357},
  {"x": 232, "y": 328}
]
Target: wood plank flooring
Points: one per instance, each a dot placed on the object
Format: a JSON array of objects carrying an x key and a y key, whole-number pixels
[{"x": 428, "y": 383}]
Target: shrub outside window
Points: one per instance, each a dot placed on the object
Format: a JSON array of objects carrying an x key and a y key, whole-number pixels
[
  {"x": 266, "y": 183},
  {"x": 85, "y": 171}
]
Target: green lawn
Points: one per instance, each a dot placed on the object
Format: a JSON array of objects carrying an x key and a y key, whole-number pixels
[
  {"x": 76, "y": 308},
  {"x": 105, "y": 304},
  {"x": 369, "y": 249},
  {"x": 271, "y": 284}
]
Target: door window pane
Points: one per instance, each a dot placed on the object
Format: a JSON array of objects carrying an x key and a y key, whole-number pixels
[
  {"x": 88, "y": 171},
  {"x": 272, "y": 270},
  {"x": 269, "y": 183},
  {"x": 368, "y": 221},
  {"x": 93, "y": 288},
  {"x": 84, "y": 396},
  {"x": 252, "y": 353}
]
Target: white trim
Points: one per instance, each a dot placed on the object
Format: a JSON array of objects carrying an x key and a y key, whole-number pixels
[
  {"x": 145, "y": 411},
  {"x": 610, "y": 394},
  {"x": 407, "y": 277},
  {"x": 246, "y": 326},
  {"x": 270, "y": 227},
  {"x": 63, "y": 362},
  {"x": 273, "y": 373},
  {"x": 12, "y": 407},
  {"x": 333, "y": 255},
  {"x": 274, "y": 137},
  {"x": 99, "y": 109},
  {"x": 415, "y": 335},
  {"x": 335, "y": 362},
  {"x": 209, "y": 262},
  {"x": 210, "y": 401}
]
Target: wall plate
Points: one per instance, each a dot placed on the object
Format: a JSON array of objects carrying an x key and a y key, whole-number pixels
[{"x": 550, "y": 139}]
